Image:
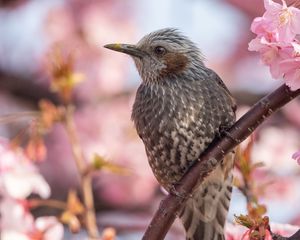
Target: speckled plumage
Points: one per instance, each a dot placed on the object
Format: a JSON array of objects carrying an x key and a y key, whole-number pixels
[
  {"x": 176, "y": 126},
  {"x": 180, "y": 107}
]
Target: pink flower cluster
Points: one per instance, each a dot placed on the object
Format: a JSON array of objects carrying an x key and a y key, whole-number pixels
[
  {"x": 237, "y": 232},
  {"x": 278, "y": 42},
  {"x": 18, "y": 179}
]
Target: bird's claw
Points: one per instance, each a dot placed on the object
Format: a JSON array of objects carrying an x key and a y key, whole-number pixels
[
  {"x": 224, "y": 131},
  {"x": 176, "y": 193}
]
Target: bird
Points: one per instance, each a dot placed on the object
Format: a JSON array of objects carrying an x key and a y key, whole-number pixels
[{"x": 181, "y": 106}]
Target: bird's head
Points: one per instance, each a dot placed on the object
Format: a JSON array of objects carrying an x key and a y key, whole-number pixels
[{"x": 162, "y": 54}]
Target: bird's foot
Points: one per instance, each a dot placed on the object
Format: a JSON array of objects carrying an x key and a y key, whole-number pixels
[
  {"x": 229, "y": 135},
  {"x": 180, "y": 194}
]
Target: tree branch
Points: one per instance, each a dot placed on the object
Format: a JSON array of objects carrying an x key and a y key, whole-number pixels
[{"x": 166, "y": 213}]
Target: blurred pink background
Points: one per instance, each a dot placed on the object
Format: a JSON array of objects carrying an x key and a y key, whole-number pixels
[{"x": 221, "y": 28}]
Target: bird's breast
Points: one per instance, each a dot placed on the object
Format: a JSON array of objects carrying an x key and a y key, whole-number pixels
[{"x": 173, "y": 130}]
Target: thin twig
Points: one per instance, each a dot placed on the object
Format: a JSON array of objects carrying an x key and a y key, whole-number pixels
[
  {"x": 166, "y": 213},
  {"x": 34, "y": 203},
  {"x": 8, "y": 118},
  {"x": 86, "y": 179}
]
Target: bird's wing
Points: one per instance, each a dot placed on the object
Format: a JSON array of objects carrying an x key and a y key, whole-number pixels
[{"x": 220, "y": 82}]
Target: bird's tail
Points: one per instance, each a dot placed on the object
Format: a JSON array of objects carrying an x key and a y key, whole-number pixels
[{"x": 204, "y": 214}]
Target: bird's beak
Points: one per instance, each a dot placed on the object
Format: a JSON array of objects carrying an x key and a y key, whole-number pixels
[{"x": 126, "y": 48}]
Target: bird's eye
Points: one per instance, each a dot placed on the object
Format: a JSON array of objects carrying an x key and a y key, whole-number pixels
[{"x": 160, "y": 50}]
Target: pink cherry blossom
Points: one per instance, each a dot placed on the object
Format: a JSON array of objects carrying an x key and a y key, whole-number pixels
[
  {"x": 291, "y": 69},
  {"x": 19, "y": 177},
  {"x": 296, "y": 156},
  {"x": 282, "y": 19},
  {"x": 260, "y": 27},
  {"x": 271, "y": 53}
]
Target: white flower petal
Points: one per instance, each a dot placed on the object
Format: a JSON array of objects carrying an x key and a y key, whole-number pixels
[
  {"x": 20, "y": 177},
  {"x": 14, "y": 215},
  {"x": 53, "y": 229},
  {"x": 12, "y": 235}
]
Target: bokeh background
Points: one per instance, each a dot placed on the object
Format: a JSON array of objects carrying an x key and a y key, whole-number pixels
[{"x": 30, "y": 28}]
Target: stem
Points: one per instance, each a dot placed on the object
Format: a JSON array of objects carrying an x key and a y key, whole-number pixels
[
  {"x": 35, "y": 203},
  {"x": 246, "y": 190},
  {"x": 86, "y": 179},
  {"x": 8, "y": 118},
  {"x": 166, "y": 213}
]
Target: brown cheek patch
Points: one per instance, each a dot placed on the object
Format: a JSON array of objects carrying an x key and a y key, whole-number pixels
[{"x": 175, "y": 63}]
